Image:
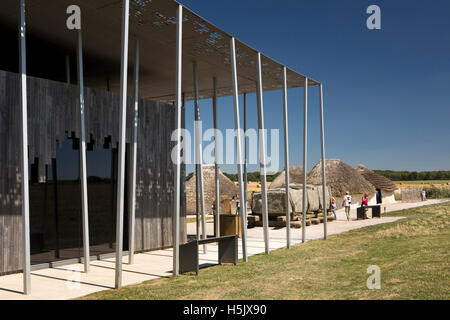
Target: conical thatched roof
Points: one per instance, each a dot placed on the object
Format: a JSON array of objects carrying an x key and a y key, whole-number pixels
[
  {"x": 378, "y": 181},
  {"x": 340, "y": 178},
  {"x": 226, "y": 186},
  {"x": 295, "y": 176}
]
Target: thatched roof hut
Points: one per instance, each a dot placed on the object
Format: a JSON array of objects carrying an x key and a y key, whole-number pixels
[
  {"x": 295, "y": 176},
  {"x": 227, "y": 188},
  {"x": 378, "y": 181},
  {"x": 341, "y": 178}
]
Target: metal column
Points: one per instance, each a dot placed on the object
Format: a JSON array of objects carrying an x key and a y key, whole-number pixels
[
  {"x": 176, "y": 217},
  {"x": 24, "y": 168},
  {"x": 122, "y": 145},
  {"x": 245, "y": 150},
  {"x": 216, "y": 160},
  {"x": 305, "y": 139},
  {"x": 286, "y": 160},
  {"x": 132, "y": 197},
  {"x": 324, "y": 179},
  {"x": 262, "y": 156},
  {"x": 199, "y": 152},
  {"x": 238, "y": 146},
  {"x": 83, "y": 169}
]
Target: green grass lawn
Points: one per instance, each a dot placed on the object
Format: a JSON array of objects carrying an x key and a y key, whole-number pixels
[{"x": 413, "y": 255}]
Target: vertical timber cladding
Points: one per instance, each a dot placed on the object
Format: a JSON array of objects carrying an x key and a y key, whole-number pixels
[
  {"x": 53, "y": 110},
  {"x": 10, "y": 177}
]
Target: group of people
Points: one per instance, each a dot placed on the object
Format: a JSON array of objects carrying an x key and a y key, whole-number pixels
[{"x": 347, "y": 202}]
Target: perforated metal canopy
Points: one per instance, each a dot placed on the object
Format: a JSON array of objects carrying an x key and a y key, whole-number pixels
[{"x": 153, "y": 22}]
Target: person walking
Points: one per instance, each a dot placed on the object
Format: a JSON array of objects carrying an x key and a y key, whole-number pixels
[
  {"x": 347, "y": 204},
  {"x": 424, "y": 195},
  {"x": 333, "y": 207}
]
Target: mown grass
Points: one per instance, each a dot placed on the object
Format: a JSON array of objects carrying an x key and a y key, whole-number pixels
[{"x": 413, "y": 255}]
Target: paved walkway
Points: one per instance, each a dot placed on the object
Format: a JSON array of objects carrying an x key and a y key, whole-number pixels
[{"x": 69, "y": 282}]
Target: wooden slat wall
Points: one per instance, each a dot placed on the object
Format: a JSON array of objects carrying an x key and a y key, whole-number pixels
[{"x": 53, "y": 110}]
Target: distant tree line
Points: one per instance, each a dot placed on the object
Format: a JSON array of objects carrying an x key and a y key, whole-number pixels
[
  {"x": 413, "y": 175},
  {"x": 390, "y": 174}
]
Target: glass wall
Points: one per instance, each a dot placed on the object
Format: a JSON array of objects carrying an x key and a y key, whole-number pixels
[{"x": 55, "y": 204}]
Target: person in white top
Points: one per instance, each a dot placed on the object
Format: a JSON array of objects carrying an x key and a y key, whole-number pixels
[
  {"x": 424, "y": 195},
  {"x": 347, "y": 203}
]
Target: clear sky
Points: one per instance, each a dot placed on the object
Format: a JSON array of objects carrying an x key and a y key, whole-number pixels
[{"x": 386, "y": 92}]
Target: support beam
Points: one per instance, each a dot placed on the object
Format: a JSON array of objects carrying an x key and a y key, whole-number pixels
[
  {"x": 199, "y": 153},
  {"x": 305, "y": 140},
  {"x": 238, "y": 146},
  {"x": 83, "y": 168},
  {"x": 24, "y": 167},
  {"x": 324, "y": 178},
  {"x": 286, "y": 160},
  {"x": 122, "y": 145},
  {"x": 245, "y": 150},
  {"x": 178, "y": 104},
  {"x": 262, "y": 155},
  {"x": 132, "y": 189},
  {"x": 216, "y": 159}
]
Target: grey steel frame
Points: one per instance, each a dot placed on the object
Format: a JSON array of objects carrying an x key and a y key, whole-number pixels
[
  {"x": 122, "y": 146},
  {"x": 286, "y": 160},
  {"x": 199, "y": 155},
  {"x": 262, "y": 155},
  {"x": 24, "y": 168},
  {"x": 132, "y": 197},
  {"x": 178, "y": 86},
  {"x": 245, "y": 150},
  {"x": 121, "y": 164},
  {"x": 82, "y": 153},
  {"x": 216, "y": 160},
  {"x": 238, "y": 146},
  {"x": 305, "y": 149}
]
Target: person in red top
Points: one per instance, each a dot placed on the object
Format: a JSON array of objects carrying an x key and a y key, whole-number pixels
[{"x": 365, "y": 203}]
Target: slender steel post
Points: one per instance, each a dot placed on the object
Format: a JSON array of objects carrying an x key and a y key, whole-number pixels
[
  {"x": 324, "y": 178},
  {"x": 199, "y": 151},
  {"x": 245, "y": 150},
  {"x": 122, "y": 131},
  {"x": 286, "y": 160},
  {"x": 262, "y": 156},
  {"x": 179, "y": 56},
  {"x": 83, "y": 168},
  {"x": 216, "y": 160},
  {"x": 24, "y": 169},
  {"x": 238, "y": 147},
  {"x": 132, "y": 197},
  {"x": 305, "y": 139}
]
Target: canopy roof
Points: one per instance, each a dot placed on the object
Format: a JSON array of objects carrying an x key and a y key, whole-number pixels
[{"x": 153, "y": 22}]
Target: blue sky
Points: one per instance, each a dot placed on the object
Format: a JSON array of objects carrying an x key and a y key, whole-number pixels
[{"x": 386, "y": 92}]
